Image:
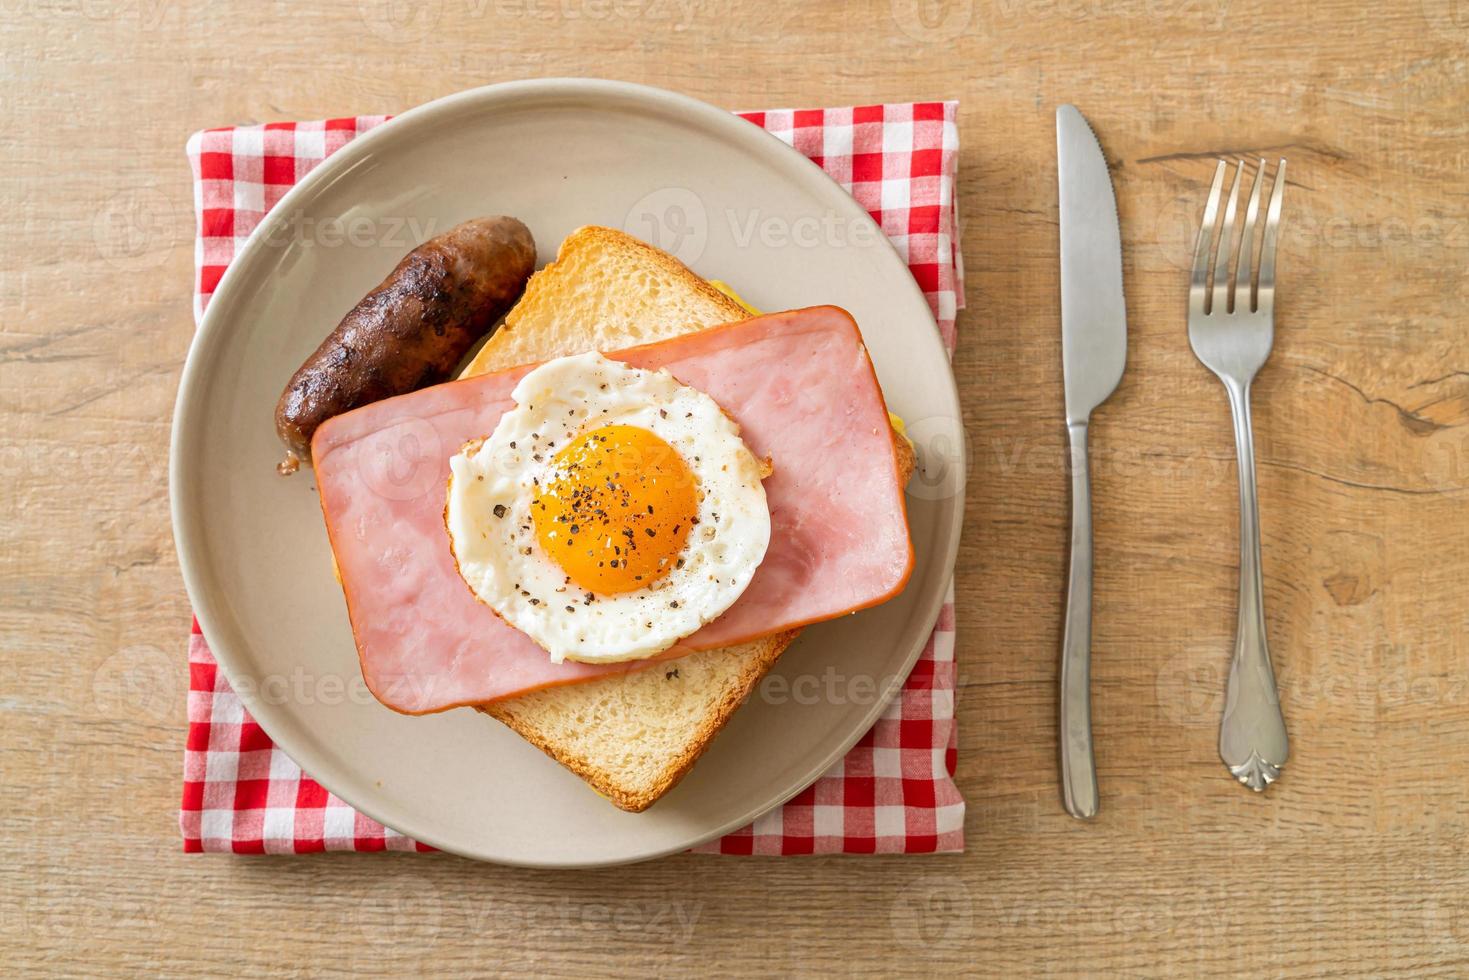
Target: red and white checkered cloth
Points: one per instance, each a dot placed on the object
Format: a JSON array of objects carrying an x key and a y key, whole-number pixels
[{"x": 893, "y": 792}]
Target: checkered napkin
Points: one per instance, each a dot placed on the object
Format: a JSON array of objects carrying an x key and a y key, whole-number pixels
[{"x": 893, "y": 792}]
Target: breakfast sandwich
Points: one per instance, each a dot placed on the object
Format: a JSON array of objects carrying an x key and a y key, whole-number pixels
[{"x": 605, "y": 533}]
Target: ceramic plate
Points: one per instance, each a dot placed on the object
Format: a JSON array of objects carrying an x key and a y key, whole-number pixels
[{"x": 732, "y": 202}]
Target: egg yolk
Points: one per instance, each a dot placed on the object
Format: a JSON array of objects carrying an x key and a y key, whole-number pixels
[{"x": 616, "y": 509}]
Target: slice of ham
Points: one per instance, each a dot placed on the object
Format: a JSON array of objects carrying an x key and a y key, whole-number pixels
[{"x": 800, "y": 385}]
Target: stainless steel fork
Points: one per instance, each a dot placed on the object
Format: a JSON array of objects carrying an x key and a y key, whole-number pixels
[{"x": 1231, "y": 331}]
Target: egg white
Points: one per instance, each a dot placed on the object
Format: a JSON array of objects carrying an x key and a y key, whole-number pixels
[{"x": 502, "y": 561}]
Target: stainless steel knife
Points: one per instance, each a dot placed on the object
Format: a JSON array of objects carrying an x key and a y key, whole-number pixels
[{"x": 1093, "y": 352}]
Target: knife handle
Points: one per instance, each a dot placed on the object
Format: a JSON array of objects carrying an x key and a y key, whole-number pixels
[{"x": 1078, "y": 770}]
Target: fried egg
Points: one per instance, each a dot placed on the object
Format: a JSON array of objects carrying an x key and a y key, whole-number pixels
[{"x": 612, "y": 512}]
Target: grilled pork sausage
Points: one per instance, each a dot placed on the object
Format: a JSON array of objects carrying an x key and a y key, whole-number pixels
[{"x": 412, "y": 330}]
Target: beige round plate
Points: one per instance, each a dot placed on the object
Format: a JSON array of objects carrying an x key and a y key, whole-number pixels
[{"x": 732, "y": 202}]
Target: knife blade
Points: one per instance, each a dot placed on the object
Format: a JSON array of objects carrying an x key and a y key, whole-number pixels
[
  {"x": 1093, "y": 354},
  {"x": 1093, "y": 312}
]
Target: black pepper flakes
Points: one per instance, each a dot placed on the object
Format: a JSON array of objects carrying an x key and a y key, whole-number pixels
[{"x": 500, "y": 509}]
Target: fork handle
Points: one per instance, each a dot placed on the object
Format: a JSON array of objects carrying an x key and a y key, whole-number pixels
[
  {"x": 1252, "y": 739},
  {"x": 1078, "y": 769}
]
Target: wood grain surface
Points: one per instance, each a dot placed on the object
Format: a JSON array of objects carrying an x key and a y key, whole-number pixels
[{"x": 1356, "y": 861}]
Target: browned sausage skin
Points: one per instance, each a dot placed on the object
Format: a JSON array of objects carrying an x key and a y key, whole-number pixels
[{"x": 412, "y": 330}]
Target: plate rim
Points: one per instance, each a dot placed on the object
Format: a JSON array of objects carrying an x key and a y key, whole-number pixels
[{"x": 209, "y": 333}]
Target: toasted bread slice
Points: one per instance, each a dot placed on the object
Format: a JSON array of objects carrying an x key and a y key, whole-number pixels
[
  {"x": 605, "y": 291},
  {"x": 631, "y": 736}
]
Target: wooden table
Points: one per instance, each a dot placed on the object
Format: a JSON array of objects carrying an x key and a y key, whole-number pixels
[{"x": 1356, "y": 860}]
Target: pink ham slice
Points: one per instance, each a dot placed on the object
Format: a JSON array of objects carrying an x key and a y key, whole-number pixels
[{"x": 803, "y": 391}]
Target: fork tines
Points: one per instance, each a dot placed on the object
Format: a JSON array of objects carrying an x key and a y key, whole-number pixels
[{"x": 1220, "y": 244}]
